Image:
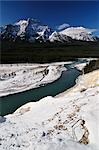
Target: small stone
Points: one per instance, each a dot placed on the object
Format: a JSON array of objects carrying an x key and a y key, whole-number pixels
[{"x": 43, "y": 134}]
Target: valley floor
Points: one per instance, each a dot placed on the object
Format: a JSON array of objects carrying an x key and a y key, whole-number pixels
[{"x": 67, "y": 122}]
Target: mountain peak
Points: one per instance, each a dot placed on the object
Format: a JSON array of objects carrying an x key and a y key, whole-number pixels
[
  {"x": 20, "y": 22},
  {"x": 33, "y": 21}
]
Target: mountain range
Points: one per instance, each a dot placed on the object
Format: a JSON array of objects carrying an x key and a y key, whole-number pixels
[{"x": 33, "y": 30}]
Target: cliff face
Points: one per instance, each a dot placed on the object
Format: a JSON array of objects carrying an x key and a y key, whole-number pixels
[{"x": 69, "y": 121}]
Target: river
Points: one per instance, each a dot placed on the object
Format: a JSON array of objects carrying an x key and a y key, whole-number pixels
[{"x": 8, "y": 104}]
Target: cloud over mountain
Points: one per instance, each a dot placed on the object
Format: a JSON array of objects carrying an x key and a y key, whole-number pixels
[{"x": 62, "y": 26}]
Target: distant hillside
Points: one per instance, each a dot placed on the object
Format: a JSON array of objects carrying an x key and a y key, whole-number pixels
[{"x": 22, "y": 51}]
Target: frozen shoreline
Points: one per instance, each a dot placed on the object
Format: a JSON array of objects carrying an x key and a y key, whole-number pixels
[
  {"x": 21, "y": 77},
  {"x": 15, "y": 78}
]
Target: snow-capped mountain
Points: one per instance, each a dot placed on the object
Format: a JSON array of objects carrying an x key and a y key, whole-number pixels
[
  {"x": 79, "y": 33},
  {"x": 33, "y": 30},
  {"x": 29, "y": 29},
  {"x": 56, "y": 36}
]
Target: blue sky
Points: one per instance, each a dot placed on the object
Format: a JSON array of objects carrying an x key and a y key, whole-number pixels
[{"x": 53, "y": 13}]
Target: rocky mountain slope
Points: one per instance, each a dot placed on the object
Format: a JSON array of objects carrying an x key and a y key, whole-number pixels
[
  {"x": 33, "y": 30},
  {"x": 29, "y": 29}
]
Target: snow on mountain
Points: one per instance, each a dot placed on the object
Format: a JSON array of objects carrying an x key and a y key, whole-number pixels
[
  {"x": 32, "y": 29},
  {"x": 9, "y": 31},
  {"x": 22, "y": 26},
  {"x": 44, "y": 34},
  {"x": 79, "y": 33},
  {"x": 56, "y": 36}
]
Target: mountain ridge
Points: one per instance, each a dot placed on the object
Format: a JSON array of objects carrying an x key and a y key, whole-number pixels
[{"x": 33, "y": 30}]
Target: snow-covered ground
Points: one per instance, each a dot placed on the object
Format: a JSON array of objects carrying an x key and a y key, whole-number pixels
[
  {"x": 20, "y": 77},
  {"x": 67, "y": 122},
  {"x": 16, "y": 78}
]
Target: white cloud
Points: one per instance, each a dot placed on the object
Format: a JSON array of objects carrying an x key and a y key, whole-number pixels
[
  {"x": 91, "y": 30},
  {"x": 65, "y": 25}
]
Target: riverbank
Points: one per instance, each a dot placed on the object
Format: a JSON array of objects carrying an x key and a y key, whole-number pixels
[
  {"x": 12, "y": 102},
  {"x": 15, "y": 78},
  {"x": 66, "y": 122},
  {"x": 84, "y": 81}
]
